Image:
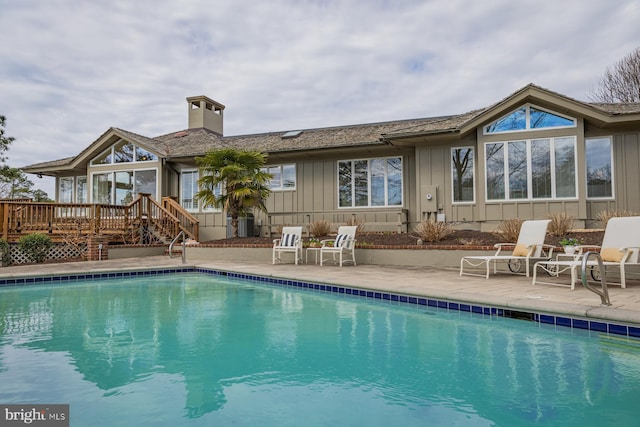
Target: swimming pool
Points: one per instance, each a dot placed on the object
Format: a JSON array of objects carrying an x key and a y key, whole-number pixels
[{"x": 198, "y": 349}]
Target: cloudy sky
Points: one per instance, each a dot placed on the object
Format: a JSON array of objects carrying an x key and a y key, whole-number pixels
[{"x": 70, "y": 69}]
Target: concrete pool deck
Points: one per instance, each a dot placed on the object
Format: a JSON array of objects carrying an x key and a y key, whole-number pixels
[{"x": 509, "y": 291}]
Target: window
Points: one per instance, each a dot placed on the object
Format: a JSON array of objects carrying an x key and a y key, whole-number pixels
[
  {"x": 283, "y": 177},
  {"x": 123, "y": 152},
  {"x": 122, "y": 187},
  {"x": 188, "y": 189},
  {"x": 65, "y": 190},
  {"x": 462, "y": 163},
  {"x": 531, "y": 169},
  {"x": 81, "y": 190},
  {"x": 529, "y": 117},
  {"x": 370, "y": 182},
  {"x": 599, "y": 167}
]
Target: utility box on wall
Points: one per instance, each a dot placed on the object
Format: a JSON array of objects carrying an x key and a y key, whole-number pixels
[
  {"x": 245, "y": 226},
  {"x": 429, "y": 199}
]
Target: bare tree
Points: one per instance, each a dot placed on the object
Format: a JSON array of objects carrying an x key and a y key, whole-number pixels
[{"x": 620, "y": 83}]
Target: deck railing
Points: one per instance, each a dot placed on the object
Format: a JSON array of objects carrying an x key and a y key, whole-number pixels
[{"x": 124, "y": 223}]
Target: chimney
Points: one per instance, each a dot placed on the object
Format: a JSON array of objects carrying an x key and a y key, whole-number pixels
[{"x": 205, "y": 113}]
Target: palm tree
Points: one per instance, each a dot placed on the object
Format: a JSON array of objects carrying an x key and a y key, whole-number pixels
[{"x": 233, "y": 180}]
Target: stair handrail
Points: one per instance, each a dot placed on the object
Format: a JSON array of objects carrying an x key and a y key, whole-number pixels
[
  {"x": 187, "y": 221},
  {"x": 184, "y": 247},
  {"x": 604, "y": 293}
]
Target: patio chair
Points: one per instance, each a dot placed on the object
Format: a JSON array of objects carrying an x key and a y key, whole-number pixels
[
  {"x": 530, "y": 245},
  {"x": 342, "y": 246},
  {"x": 619, "y": 250},
  {"x": 290, "y": 242}
]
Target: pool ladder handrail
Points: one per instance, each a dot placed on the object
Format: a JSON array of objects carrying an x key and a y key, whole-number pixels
[
  {"x": 604, "y": 293},
  {"x": 184, "y": 247}
]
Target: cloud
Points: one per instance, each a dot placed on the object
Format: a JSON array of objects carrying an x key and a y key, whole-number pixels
[{"x": 71, "y": 69}]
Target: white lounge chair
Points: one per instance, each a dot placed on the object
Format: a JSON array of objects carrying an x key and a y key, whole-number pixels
[
  {"x": 619, "y": 250},
  {"x": 342, "y": 246},
  {"x": 290, "y": 242},
  {"x": 530, "y": 245}
]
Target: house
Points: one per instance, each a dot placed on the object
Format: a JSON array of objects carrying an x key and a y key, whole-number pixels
[{"x": 533, "y": 153}]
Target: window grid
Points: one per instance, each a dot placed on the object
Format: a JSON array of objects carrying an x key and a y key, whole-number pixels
[
  {"x": 501, "y": 173},
  {"x": 376, "y": 182},
  {"x": 284, "y": 177}
]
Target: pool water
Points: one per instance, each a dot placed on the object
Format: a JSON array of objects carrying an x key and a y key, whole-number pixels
[{"x": 196, "y": 349}]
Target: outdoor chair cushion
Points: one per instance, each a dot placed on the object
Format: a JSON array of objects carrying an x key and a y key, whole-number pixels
[
  {"x": 288, "y": 240},
  {"x": 340, "y": 238},
  {"x": 611, "y": 254},
  {"x": 521, "y": 250}
]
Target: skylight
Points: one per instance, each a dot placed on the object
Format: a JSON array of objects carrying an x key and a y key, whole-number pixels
[{"x": 292, "y": 134}]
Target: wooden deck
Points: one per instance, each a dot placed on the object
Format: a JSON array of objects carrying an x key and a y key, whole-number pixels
[{"x": 143, "y": 219}]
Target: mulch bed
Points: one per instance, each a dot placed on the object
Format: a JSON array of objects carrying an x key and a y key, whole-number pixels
[{"x": 458, "y": 238}]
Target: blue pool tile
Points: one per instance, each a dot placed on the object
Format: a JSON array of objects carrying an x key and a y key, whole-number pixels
[
  {"x": 422, "y": 301},
  {"x": 454, "y": 306},
  {"x": 404, "y": 298},
  {"x": 432, "y": 303},
  {"x": 442, "y": 304},
  {"x": 413, "y": 300},
  {"x": 563, "y": 321},
  {"x": 634, "y": 332},
  {"x": 598, "y": 326},
  {"x": 377, "y": 295},
  {"x": 386, "y": 297},
  {"x": 545, "y": 318},
  {"x": 395, "y": 297},
  {"x": 465, "y": 307},
  {"x": 476, "y": 309},
  {"x": 486, "y": 311},
  {"x": 618, "y": 329},
  {"x": 580, "y": 324}
]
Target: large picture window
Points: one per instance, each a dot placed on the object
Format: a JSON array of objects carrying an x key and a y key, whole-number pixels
[
  {"x": 122, "y": 187},
  {"x": 462, "y": 164},
  {"x": 531, "y": 169},
  {"x": 599, "y": 167},
  {"x": 370, "y": 182},
  {"x": 283, "y": 177}
]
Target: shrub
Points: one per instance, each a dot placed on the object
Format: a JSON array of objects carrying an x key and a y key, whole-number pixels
[
  {"x": 605, "y": 216},
  {"x": 561, "y": 223},
  {"x": 320, "y": 228},
  {"x": 35, "y": 246},
  {"x": 432, "y": 231},
  {"x": 509, "y": 229}
]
